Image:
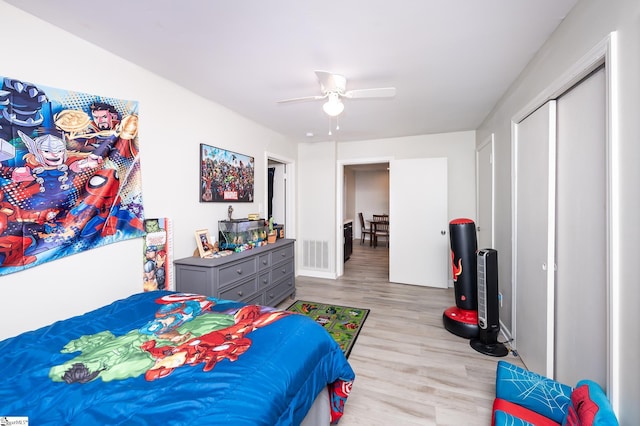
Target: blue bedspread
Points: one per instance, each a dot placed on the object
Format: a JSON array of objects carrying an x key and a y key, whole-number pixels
[{"x": 170, "y": 358}]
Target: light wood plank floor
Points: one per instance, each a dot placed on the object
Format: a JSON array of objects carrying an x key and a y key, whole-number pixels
[{"x": 409, "y": 369}]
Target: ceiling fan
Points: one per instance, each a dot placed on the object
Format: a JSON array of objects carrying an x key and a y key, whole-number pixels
[{"x": 334, "y": 89}]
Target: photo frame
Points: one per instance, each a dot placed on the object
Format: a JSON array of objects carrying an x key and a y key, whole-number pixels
[
  {"x": 225, "y": 176},
  {"x": 203, "y": 240}
]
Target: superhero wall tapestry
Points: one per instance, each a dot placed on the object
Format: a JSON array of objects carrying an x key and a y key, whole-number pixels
[{"x": 69, "y": 173}]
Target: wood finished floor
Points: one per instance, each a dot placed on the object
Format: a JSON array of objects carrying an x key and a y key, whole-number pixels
[{"x": 409, "y": 369}]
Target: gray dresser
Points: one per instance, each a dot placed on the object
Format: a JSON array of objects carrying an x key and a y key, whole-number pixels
[{"x": 263, "y": 275}]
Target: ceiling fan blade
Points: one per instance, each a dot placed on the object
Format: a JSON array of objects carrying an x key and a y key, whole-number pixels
[
  {"x": 330, "y": 82},
  {"x": 380, "y": 92},
  {"x": 305, "y": 98}
]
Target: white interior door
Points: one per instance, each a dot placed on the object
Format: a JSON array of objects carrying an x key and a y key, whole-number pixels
[
  {"x": 581, "y": 224},
  {"x": 534, "y": 248},
  {"x": 484, "y": 171},
  {"x": 418, "y": 242}
]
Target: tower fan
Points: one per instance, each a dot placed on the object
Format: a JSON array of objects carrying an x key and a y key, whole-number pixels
[{"x": 488, "y": 309}]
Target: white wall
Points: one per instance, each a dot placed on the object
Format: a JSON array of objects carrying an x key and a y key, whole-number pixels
[
  {"x": 371, "y": 195},
  {"x": 173, "y": 122},
  {"x": 457, "y": 147},
  {"x": 588, "y": 24},
  {"x": 317, "y": 206},
  {"x": 349, "y": 197},
  {"x": 318, "y": 173}
]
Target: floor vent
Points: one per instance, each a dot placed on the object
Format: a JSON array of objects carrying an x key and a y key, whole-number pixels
[{"x": 315, "y": 254}]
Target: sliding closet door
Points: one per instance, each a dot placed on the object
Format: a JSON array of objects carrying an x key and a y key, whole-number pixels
[
  {"x": 581, "y": 253},
  {"x": 534, "y": 195}
]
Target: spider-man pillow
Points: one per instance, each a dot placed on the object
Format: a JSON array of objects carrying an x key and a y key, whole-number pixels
[
  {"x": 503, "y": 418},
  {"x": 532, "y": 391},
  {"x": 589, "y": 406}
]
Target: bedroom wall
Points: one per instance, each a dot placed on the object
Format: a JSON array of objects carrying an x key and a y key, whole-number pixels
[
  {"x": 457, "y": 147},
  {"x": 319, "y": 184},
  {"x": 587, "y": 25},
  {"x": 316, "y": 209},
  {"x": 173, "y": 122}
]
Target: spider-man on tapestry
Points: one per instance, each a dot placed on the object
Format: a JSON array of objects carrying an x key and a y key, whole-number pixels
[{"x": 69, "y": 173}]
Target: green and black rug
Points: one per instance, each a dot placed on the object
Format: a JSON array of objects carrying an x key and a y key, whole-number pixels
[{"x": 342, "y": 322}]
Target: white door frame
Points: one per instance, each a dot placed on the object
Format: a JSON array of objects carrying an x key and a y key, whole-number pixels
[
  {"x": 604, "y": 52},
  {"x": 340, "y": 205},
  {"x": 488, "y": 141},
  {"x": 290, "y": 191}
]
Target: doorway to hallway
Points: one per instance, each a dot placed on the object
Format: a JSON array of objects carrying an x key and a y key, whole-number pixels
[{"x": 279, "y": 199}]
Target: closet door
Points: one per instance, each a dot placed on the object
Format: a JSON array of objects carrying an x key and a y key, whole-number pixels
[
  {"x": 581, "y": 253},
  {"x": 534, "y": 221}
]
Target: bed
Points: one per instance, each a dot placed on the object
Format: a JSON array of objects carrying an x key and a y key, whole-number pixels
[{"x": 174, "y": 358}]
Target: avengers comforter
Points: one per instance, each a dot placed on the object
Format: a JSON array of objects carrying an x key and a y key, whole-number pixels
[{"x": 173, "y": 358}]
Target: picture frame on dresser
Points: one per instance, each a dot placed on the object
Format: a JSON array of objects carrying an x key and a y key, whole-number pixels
[{"x": 203, "y": 240}]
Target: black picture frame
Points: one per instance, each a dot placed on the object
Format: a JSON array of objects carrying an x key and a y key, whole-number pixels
[{"x": 225, "y": 176}]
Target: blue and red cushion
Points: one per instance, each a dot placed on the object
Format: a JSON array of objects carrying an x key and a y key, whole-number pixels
[
  {"x": 517, "y": 415},
  {"x": 533, "y": 391},
  {"x": 590, "y": 406},
  {"x": 501, "y": 418}
]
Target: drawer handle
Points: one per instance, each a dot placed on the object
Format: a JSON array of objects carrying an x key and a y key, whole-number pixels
[
  {"x": 265, "y": 280},
  {"x": 239, "y": 271},
  {"x": 284, "y": 270},
  {"x": 283, "y": 254},
  {"x": 264, "y": 262},
  {"x": 240, "y": 293}
]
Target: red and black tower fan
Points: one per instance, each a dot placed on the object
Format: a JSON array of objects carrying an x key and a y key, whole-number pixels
[{"x": 462, "y": 319}]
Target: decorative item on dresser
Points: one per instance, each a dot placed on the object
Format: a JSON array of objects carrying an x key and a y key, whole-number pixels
[{"x": 264, "y": 275}]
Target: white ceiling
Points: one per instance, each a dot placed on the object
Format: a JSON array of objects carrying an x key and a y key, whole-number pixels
[{"x": 450, "y": 60}]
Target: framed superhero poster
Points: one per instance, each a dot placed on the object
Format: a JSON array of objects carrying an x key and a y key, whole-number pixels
[
  {"x": 225, "y": 175},
  {"x": 69, "y": 173}
]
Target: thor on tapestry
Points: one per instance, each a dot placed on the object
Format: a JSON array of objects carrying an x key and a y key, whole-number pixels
[{"x": 64, "y": 157}]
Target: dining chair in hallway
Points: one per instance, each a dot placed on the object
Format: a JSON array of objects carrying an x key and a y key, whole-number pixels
[
  {"x": 365, "y": 231},
  {"x": 381, "y": 230}
]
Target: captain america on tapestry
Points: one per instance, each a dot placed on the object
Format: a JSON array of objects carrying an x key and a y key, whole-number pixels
[{"x": 69, "y": 173}]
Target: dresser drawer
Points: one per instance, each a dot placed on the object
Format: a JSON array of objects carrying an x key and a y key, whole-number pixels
[
  {"x": 274, "y": 295},
  {"x": 258, "y": 299},
  {"x": 281, "y": 270},
  {"x": 281, "y": 254},
  {"x": 237, "y": 271},
  {"x": 241, "y": 291},
  {"x": 264, "y": 280},
  {"x": 264, "y": 261}
]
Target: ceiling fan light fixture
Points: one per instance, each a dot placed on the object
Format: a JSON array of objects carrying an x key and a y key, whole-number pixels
[{"x": 333, "y": 107}]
